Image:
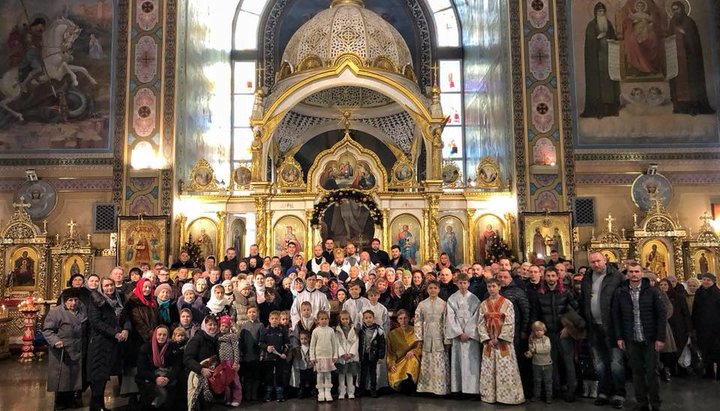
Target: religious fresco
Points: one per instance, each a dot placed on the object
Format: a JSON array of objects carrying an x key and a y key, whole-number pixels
[
  {"x": 347, "y": 172},
  {"x": 204, "y": 232},
  {"x": 452, "y": 239},
  {"x": 142, "y": 240},
  {"x": 645, "y": 72},
  {"x": 287, "y": 229},
  {"x": 69, "y": 43},
  {"x": 654, "y": 256},
  {"x": 490, "y": 229},
  {"x": 23, "y": 265},
  {"x": 406, "y": 233}
]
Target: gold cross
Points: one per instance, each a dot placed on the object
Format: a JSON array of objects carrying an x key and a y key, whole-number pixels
[
  {"x": 22, "y": 205},
  {"x": 706, "y": 218},
  {"x": 610, "y": 220},
  {"x": 435, "y": 69},
  {"x": 260, "y": 72},
  {"x": 72, "y": 224}
]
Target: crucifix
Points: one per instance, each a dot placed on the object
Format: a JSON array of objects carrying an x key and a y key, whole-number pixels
[
  {"x": 610, "y": 220},
  {"x": 361, "y": 241},
  {"x": 72, "y": 224},
  {"x": 435, "y": 70},
  {"x": 260, "y": 73}
]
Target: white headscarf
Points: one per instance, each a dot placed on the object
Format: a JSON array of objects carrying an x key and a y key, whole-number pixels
[{"x": 216, "y": 305}]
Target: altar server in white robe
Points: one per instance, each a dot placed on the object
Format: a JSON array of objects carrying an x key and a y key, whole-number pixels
[
  {"x": 318, "y": 300},
  {"x": 499, "y": 375},
  {"x": 461, "y": 328}
]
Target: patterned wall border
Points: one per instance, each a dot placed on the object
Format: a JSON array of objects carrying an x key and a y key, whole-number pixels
[
  {"x": 84, "y": 184},
  {"x": 627, "y": 179},
  {"x": 52, "y": 162},
  {"x": 267, "y": 52},
  {"x": 120, "y": 99},
  {"x": 518, "y": 105},
  {"x": 646, "y": 156},
  {"x": 567, "y": 118}
]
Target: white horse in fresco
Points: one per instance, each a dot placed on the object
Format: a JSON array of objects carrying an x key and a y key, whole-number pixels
[{"x": 57, "y": 42}]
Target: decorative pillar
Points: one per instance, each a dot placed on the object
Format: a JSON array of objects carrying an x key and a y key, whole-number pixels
[
  {"x": 309, "y": 240},
  {"x": 386, "y": 230},
  {"x": 256, "y": 170},
  {"x": 181, "y": 221},
  {"x": 433, "y": 208},
  {"x": 261, "y": 224},
  {"x": 470, "y": 242},
  {"x": 222, "y": 216}
]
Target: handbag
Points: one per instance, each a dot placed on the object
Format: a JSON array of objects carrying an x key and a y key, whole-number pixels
[{"x": 222, "y": 375}]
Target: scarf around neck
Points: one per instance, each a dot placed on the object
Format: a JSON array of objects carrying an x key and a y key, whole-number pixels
[
  {"x": 158, "y": 351},
  {"x": 164, "y": 307}
]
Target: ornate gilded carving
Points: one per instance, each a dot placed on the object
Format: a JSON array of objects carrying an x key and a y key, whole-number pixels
[
  {"x": 202, "y": 177},
  {"x": 402, "y": 173},
  {"x": 261, "y": 224},
  {"x": 488, "y": 173},
  {"x": 290, "y": 174},
  {"x": 433, "y": 220}
]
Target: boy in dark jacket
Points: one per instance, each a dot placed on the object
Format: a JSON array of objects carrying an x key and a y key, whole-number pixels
[
  {"x": 371, "y": 349},
  {"x": 639, "y": 324},
  {"x": 250, "y": 354},
  {"x": 274, "y": 344}
]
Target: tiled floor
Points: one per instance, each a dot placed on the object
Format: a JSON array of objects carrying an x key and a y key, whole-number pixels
[{"x": 22, "y": 388}]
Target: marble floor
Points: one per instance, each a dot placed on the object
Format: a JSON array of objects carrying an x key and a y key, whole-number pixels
[{"x": 22, "y": 388}]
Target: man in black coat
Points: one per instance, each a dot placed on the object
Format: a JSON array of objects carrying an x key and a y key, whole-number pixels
[
  {"x": 639, "y": 324},
  {"x": 706, "y": 323},
  {"x": 230, "y": 262},
  {"x": 397, "y": 260},
  {"x": 597, "y": 290},
  {"x": 377, "y": 255}
]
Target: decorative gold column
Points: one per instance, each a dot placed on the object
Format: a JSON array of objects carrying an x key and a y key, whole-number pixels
[
  {"x": 510, "y": 224},
  {"x": 386, "y": 230},
  {"x": 181, "y": 221},
  {"x": 256, "y": 171},
  {"x": 433, "y": 207},
  {"x": 309, "y": 240},
  {"x": 470, "y": 241},
  {"x": 261, "y": 224},
  {"x": 222, "y": 216}
]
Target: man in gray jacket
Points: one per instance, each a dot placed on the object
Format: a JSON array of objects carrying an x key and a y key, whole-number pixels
[{"x": 597, "y": 289}]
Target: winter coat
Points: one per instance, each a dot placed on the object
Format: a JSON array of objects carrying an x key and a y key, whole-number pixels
[
  {"x": 551, "y": 305},
  {"x": 201, "y": 347},
  {"x": 147, "y": 371},
  {"x": 103, "y": 348},
  {"x": 706, "y": 321},
  {"x": 680, "y": 320},
  {"x": 144, "y": 319},
  {"x": 653, "y": 313},
  {"x": 196, "y": 307},
  {"x": 241, "y": 305},
  {"x": 249, "y": 341},
  {"x": 63, "y": 325},
  {"x": 347, "y": 345},
  {"x": 231, "y": 265},
  {"x": 411, "y": 298},
  {"x": 610, "y": 283},
  {"x": 278, "y": 338},
  {"x": 377, "y": 346},
  {"x": 521, "y": 305},
  {"x": 446, "y": 290}
]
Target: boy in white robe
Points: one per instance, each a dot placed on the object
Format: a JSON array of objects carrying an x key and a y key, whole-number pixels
[{"x": 461, "y": 328}]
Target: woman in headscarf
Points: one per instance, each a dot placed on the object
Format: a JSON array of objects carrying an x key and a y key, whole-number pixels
[
  {"x": 159, "y": 370},
  {"x": 77, "y": 281},
  {"x": 403, "y": 355},
  {"x": 285, "y": 294},
  {"x": 191, "y": 301},
  {"x": 218, "y": 304},
  {"x": 64, "y": 330},
  {"x": 109, "y": 327},
  {"x": 143, "y": 309},
  {"x": 200, "y": 356},
  {"x": 679, "y": 321},
  {"x": 169, "y": 313},
  {"x": 413, "y": 295},
  {"x": 244, "y": 299}
]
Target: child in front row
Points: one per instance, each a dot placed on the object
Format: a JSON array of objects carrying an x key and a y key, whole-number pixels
[
  {"x": 371, "y": 349},
  {"x": 250, "y": 333},
  {"x": 347, "y": 365},
  {"x": 274, "y": 344},
  {"x": 302, "y": 374},
  {"x": 539, "y": 350},
  {"x": 323, "y": 354}
]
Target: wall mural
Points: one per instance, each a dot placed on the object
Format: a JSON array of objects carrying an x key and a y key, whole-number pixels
[
  {"x": 55, "y": 76},
  {"x": 645, "y": 72}
]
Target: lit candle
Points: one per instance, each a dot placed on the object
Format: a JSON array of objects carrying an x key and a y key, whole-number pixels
[{"x": 3, "y": 310}]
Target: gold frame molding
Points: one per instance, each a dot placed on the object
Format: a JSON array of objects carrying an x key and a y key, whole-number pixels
[
  {"x": 488, "y": 162},
  {"x": 202, "y": 166},
  {"x": 408, "y": 182},
  {"x": 289, "y": 164}
]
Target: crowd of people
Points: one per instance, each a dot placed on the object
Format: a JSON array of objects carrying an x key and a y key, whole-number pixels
[{"x": 347, "y": 323}]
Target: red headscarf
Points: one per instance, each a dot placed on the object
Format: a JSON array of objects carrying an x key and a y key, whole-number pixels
[
  {"x": 149, "y": 300},
  {"x": 158, "y": 354}
]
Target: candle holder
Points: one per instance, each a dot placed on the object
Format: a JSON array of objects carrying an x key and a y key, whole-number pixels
[{"x": 29, "y": 311}]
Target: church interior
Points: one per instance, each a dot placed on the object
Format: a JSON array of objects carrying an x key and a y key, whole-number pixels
[{"x": 477, "y": 128}]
